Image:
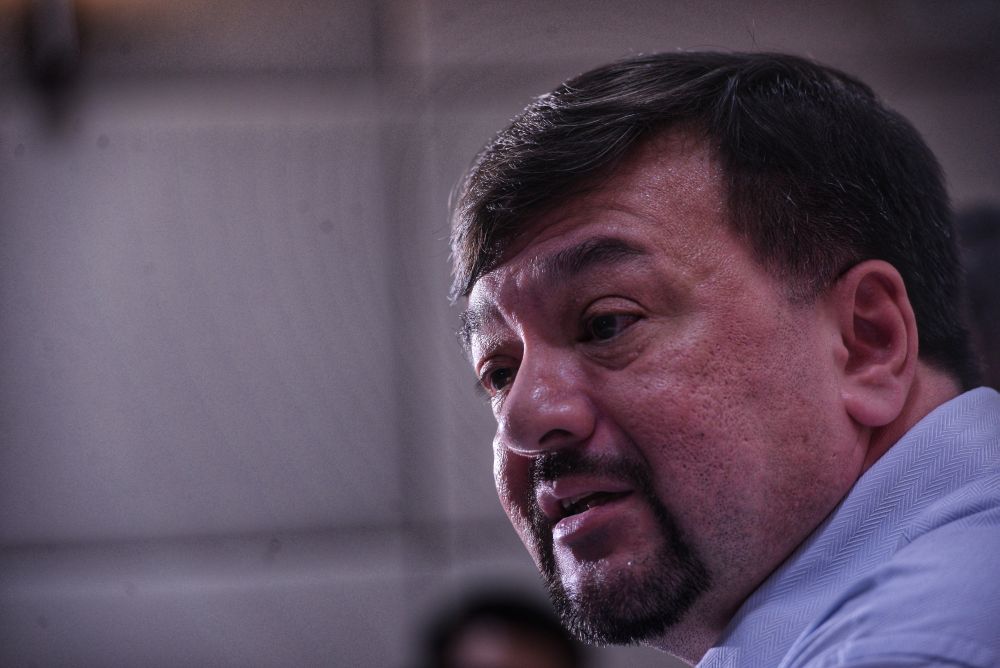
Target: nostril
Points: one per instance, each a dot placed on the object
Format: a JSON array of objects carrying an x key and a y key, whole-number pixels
[{"x": 553, "y": 436}]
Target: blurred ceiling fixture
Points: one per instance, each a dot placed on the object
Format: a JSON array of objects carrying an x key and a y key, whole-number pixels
[{"x": 53, "y": 41}]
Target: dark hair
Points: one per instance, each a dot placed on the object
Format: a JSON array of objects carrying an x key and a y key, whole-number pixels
[
  {"x": 819, "y": 174},
  {"x": 507, "y": 610}
]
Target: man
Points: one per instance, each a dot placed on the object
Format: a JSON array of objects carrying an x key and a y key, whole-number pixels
[{"x": 714, "y": 301}]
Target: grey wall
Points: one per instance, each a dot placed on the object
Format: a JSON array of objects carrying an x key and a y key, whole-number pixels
[{"x": 235, "y": 428}]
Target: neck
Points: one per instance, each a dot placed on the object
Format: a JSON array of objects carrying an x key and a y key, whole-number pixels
[{"x": 931, "y": 388}]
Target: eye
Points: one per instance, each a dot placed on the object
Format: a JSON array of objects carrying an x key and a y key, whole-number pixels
[
  {"x": 608, "y": 326},
  {"x": 496, "y": 379}
]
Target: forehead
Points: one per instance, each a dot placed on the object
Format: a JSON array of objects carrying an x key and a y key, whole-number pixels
[
  {"x": 663, "y": 204},
  {"x": 672, "y": 182}
]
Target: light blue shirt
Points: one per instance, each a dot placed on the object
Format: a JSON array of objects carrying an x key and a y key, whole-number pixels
[{"x": 906, "y": 570}]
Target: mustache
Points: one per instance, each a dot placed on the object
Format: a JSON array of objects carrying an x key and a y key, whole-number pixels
[{"x": 550, "y": 466}]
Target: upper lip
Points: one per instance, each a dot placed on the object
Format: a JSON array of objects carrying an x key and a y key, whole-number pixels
[{"x": 552, "y": 497}]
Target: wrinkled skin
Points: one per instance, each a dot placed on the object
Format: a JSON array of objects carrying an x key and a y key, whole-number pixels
[{"x": 632, "y": 346}]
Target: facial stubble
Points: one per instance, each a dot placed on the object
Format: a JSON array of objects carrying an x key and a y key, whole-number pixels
[{"x": 629, "y": 606}]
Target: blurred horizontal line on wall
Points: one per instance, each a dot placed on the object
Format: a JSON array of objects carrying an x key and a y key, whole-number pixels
[
  {"x": 225, "y": 560},
  {"x": 177, "y": 101},
  {"x": 337, "y": 537}
]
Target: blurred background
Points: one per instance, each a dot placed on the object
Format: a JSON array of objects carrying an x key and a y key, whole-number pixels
[{"x": 235, "y": 426}]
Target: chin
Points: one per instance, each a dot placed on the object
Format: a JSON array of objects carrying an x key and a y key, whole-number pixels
[{"x": 625, "y": 601}]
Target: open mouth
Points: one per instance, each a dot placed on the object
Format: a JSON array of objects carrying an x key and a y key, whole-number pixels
[{"x": 575, "y": 505}]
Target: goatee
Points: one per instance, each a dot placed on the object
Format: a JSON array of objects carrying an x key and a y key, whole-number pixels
[{"x": 630, "y": 606}]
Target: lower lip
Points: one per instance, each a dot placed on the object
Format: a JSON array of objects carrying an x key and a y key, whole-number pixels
[{"x": 580, "y": 526}]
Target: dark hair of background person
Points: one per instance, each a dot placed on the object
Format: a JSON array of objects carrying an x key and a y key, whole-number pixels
[
  {"x": 527, "y": 629},
  {"x": 819, "y": 175},
  {"x": 979, "y": 237}
]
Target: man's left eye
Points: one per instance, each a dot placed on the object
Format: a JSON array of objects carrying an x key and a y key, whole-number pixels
[{"x": 604, "y": 327}]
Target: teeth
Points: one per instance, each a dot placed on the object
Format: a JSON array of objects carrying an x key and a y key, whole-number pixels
[
  {"x": 572, "y": 505},
  {"x": 571, "y": 501},
  {"x": 577, "y": 504}
]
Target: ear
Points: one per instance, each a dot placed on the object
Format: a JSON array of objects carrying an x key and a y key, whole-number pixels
[{"x": 879, "y": 334}]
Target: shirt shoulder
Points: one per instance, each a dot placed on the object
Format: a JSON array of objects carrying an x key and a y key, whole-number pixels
[{"x": 935, "y": 602}]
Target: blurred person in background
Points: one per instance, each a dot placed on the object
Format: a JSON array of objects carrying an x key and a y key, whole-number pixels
[
  {"x": 979, "y": 234},
  {"x": 714, "y": 299},
  {"x": 499, "y": 629}
]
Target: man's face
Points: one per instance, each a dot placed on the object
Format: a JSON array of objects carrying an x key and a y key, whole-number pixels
[{"x": 668, "y": 423}]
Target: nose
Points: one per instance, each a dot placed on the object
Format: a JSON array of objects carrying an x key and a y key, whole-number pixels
[{"x": 548, "y": 405}]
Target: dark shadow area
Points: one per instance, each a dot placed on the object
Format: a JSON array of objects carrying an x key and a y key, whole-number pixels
[
  {"x": 498, "y": 629},
  {"x": 979, "y": 236}
]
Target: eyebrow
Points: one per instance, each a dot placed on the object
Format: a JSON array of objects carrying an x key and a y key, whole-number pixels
[
  {"x": 597, "y": 251},
  {"x": 565, "y": 264}
]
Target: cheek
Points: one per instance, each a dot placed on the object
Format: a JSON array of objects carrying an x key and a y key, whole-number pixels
[
  {"x": 512, "y": 476},
  {"x": 726, "y": 405}
]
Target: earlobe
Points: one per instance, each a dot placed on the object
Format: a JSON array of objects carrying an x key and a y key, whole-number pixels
[{"x": 879, "y": 335}]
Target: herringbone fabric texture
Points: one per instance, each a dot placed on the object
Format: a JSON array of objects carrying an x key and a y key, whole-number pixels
[{"x": 840, "y": 599}]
